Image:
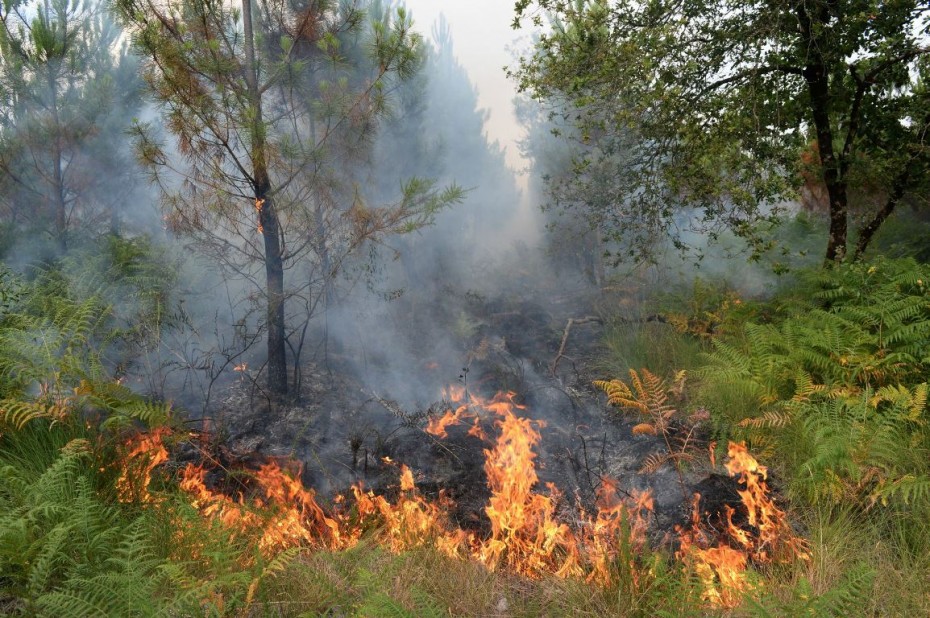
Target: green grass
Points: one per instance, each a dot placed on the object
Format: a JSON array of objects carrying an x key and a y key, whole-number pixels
[{"x": 654, "y": 345}]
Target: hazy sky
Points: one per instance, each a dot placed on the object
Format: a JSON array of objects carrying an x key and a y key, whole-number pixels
[{"x": 482, "y": 39}]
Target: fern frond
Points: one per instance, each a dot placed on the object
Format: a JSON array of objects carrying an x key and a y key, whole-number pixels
[
  {"x": 775, "y": 419},
  {"x": 17, "y": 413},
  {"x": 908, "y": 488},
  {"x": 654, "y": 462},
  {"x": 620, "y": 395}
]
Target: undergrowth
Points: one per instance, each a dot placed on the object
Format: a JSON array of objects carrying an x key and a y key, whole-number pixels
[{"x": 827, "y": 383}]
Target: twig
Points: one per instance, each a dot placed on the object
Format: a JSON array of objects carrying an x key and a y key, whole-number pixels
[{"x": 568, "y": 330}]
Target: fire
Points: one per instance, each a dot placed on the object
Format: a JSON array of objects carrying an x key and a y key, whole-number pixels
[
  {"x": 526, "y": 536},
  {"x": 722, "y": 567},
  {"x": 146, "y": 451},
  {"x": 775, "y": 540},
  {"x": 285, "y": 513},
  {"x": 259, "y": 205},
  {"x": 454, "y": 394},
  {"x": 528, "y": 532},
  {"x": 410, "y": 522}
]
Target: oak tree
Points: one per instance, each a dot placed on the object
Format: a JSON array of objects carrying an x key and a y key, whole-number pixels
[{"x": 712, "y": 104}]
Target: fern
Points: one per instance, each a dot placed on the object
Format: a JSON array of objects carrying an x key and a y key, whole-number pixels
[
  {"x": 847, "y": 598},
  {"x": 649, "y": 396}
]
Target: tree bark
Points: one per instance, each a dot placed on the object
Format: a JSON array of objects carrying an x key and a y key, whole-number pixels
[
  {"x": 818, "y": 84},
  {"x": 58, "y": 189},
  {"x": 897, "y": 192},
  {"x": 268, "y": 222}
]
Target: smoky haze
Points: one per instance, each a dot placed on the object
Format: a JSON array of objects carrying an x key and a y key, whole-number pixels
[{"x": 380, "y": 309}]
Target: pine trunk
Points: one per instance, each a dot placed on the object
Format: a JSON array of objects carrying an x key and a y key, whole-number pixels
[{"x": 268, "y": 224}]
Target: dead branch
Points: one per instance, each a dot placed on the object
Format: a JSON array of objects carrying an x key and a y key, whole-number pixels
[{"x": 568, "y": 330}]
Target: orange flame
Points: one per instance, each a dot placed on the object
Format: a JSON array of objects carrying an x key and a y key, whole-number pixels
[
  {"x": 146, "y": 451},
  {"x": 454, "y": 394},
  {"x": 774, "y": 531},
  {"x": 411, "y": 521},
  {"x": 259, "y": 205},
  {"x": 285, "y": 515},
  {"x": 526, "y": 534},
  {"x": 722, "y": 568}
]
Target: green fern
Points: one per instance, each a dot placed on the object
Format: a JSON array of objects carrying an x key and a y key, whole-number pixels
[{"x": 846, "y": 598}]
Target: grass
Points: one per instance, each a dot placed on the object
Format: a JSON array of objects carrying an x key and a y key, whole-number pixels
[
  {"x": 69, "y": 547},
  {"x": 368, "y": 581},
  {"x": 654, "y": 345}
]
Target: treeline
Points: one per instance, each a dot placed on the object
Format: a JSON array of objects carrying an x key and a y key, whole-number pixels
[{"x": 280, "y": 143}]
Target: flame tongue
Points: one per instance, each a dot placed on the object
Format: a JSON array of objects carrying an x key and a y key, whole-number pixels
[
  {"x": 455, "y": 394},
  {"x": 722, "y": 568},
  {"x": 146, "y": 452},
  {"x": 282, "y": 513},
  {"x": 525, "y": 534}
]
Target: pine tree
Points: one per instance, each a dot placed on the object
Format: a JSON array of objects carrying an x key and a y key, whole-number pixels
[
  {"x": 58, "y": 62},
  {"x": 263, "y": 104}
]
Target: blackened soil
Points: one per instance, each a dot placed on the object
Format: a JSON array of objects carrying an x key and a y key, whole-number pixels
[{"x": 347, "y": 421}]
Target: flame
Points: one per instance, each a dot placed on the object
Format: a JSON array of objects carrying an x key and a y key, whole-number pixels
[
  {"x": 259, "y": 205},
  {"x": 527, "y": 534},
  {"x": 285, "y": 514},
  {"x": 524, "y": 533},
  {"x": 774, "y": 532},
  {"x": 722, "y": 567},
  {"x": 146, "y": 451},
  {"x": 412, "y": 521},
  {"x": 454, "y": 393}
]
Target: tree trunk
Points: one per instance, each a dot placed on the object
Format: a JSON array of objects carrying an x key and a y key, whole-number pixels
[
  {"x": 268, "y": 224},
  {"x": 818, "y": 84},
  {"x": 58, "y": 189},
  {"x": 328, "y": 290},
  {"x": 274, "y": 284},
  {"x": 897, "y": 192}
]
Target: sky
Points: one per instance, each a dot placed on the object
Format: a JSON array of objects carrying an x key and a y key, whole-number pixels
[{"x": 482, "y": 39}]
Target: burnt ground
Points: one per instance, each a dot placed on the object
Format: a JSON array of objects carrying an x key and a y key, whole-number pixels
[{"x": 346, "y": 422}]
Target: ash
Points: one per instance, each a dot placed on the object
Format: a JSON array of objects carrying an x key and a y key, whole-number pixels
[{"x": 354, "y": 411}]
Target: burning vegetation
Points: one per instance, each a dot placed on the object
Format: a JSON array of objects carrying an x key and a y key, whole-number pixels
[{"x": 531, "y": 531}]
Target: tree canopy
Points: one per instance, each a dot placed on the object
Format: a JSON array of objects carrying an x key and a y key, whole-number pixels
[
  {"x": 269, "y": 106},
  {"x": 67, "y": 83},
  {"x": 721, "y": 110}
]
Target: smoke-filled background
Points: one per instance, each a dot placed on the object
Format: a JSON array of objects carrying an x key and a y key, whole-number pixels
[{"x": 358, "y": 227}]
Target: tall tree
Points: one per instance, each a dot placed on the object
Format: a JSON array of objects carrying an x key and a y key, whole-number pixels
[
  {"x": 261, "y": 103},
  {"x": 59, "y": 61},
  {"x": 714, "y": 102}
]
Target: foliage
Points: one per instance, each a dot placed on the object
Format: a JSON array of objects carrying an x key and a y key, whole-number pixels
[
  {"x": 67, "y": 87},
  {"x": 650, "y": 344},
  {"x": 702, "y": 114},
  {"x": 708, "y": 311},
  {"x": 839, "y": 382},
  {"x": 68, "y": 549},
  {"x": 648, "y": 395},
  {"x": 272, "y": 109},
  {"x": 63, "y": 336}
]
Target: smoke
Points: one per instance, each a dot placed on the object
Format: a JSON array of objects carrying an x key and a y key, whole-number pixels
[{"x": 376, "y": 328}]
